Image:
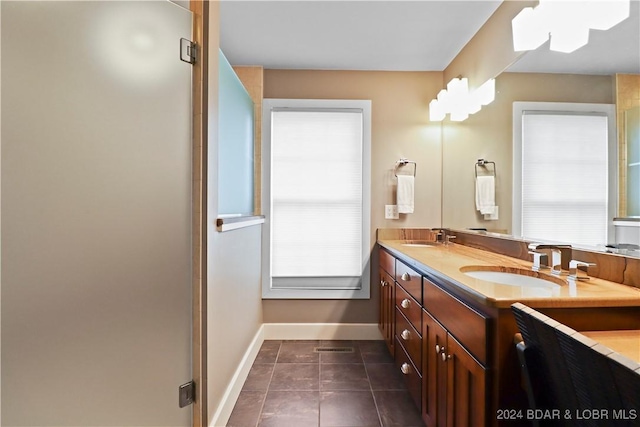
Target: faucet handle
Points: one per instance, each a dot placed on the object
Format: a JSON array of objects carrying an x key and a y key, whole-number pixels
[
  {"x": 449, "y": 238},
  {"x": 579, "y": 270},
  {"x": 540, "y": 260}
]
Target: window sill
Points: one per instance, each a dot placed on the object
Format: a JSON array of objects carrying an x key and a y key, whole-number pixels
[{"x": 236, "y": 222}]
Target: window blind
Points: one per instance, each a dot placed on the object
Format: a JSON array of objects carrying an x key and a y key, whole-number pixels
[
  {"x": 565, "y": 177},
  {"x": 317, "y": 198}
]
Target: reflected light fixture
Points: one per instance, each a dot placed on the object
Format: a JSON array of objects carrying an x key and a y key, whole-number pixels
[
  {"x": 458, "y": 102},
  {"x": 566, "y": 22}
]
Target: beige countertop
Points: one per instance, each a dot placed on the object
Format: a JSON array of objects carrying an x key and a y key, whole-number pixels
[
  {"x": 447, "y": 261},
  {"x": 625, "y": 342}
]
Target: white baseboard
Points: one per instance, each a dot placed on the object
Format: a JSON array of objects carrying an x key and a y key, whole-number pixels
[
  {"x": 321, "y": 331},
  {"x": 286, "y": 331},
  {"x": 230, "y": 396}
]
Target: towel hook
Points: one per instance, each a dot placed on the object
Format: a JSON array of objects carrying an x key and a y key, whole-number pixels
[
  {"x": 483, "y": 163},
  {"x": 404, "y": 162}
]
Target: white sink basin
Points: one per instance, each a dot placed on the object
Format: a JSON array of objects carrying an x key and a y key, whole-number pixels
[{"x": 516, "y": 278}]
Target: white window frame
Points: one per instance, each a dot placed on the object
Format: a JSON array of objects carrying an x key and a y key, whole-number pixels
[
  {"x": 519, "y": 109},
  {"x": 363, "y": 290}
]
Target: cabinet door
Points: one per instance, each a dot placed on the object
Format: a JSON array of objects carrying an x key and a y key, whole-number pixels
[
  {"x": 466, "y": 387},
  {"x": 434, "y": 371},
  {"x": 386, "y": 320}
]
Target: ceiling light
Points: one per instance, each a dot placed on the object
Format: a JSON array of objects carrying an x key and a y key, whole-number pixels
[
  {"x": 436, "y": 112},
  {"x": 456, "y": 100},
  {"x": 567, "y": 23},
  {"x": 529, "y": 33},
  {"x": 486, "y": 93}
]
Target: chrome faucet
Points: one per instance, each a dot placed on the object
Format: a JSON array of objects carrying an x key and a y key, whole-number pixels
[
  {"x": 540, "y": 261},
  {"x": 579, "y": 270},
  {"x": 558, "y": 256}
]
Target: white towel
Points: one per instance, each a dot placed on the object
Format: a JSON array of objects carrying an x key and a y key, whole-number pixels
[
  {"x": 485, "y": 194},
  {"x": 405, "y": 194}
]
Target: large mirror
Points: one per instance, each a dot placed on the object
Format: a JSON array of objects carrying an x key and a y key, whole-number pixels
[{"x": 605, "y": 71}]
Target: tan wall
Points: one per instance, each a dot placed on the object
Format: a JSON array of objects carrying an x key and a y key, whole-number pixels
[
  {"x": 627, "y": 97},
  {"x": 488, "y": 134},
  {"x": 400, "y": 128},
  {"x": 234, "y": 306}
]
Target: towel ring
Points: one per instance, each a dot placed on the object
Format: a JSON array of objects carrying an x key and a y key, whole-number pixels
[
  {"x": 483, "y": 163},
  {"x": 404, "y": 162}
]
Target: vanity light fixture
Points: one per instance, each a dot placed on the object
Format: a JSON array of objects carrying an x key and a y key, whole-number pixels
[
  {"x": 567, "y": 23},
  {"x": 458, "y": 102}
]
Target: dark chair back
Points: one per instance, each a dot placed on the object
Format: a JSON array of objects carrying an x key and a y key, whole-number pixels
[{"x": 576, "y": 374}]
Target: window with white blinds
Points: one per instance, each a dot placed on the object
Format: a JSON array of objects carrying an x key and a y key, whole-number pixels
[
  {"x": 317, "y": 195},
  {"x": 562, "y": 160}
]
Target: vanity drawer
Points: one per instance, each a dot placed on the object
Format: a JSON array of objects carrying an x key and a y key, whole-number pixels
[
  {"x": 410, "y": 280},
  {"x": 464, "y": 323},
  {"x": 410, "y": 338},
  {"x": 412, "y": 377},
  {"x": 409, "y": 307},
  {"x": 387, "y": 262}
]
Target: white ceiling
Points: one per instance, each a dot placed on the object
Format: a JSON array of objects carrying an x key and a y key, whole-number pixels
[
  {"x": 419, "y": 35},
  {"x": 349, "y": 35}
]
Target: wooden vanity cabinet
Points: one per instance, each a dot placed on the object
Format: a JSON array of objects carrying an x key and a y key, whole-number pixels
[
  {"x": 454, "y": 382},
  {"x": 438, "y": 343},
  {"x": 386, "y": 320}
]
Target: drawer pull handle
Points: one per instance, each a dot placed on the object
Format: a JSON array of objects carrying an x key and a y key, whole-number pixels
[
  {"x": 405, "y": 368},
  {"x": 439, "y": 349},
  {"x": 445, "y": 356},
  {"x": 405, "y": 303},
  {"x": 405, "y": 334},
  {"x": 383, "y": 283},
  {"x": 406, "y": 277}
]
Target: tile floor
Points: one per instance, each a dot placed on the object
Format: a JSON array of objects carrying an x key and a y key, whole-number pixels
[{"x": 290, "y": 385}]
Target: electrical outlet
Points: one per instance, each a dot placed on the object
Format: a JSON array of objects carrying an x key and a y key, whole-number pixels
[{"x": 391, "y": 212}]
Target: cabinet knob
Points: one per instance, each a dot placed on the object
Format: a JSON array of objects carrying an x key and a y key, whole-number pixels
[
  {"x": 405, "y": 303},
  {"x": 383, "y": 283},
  {"x": 406, "y": 277},
  {"x": 405, "y": 334},
  {"x": 437, "y": 349},
  {"x": 445, "y": 356},
  {"x": 405, "y": 368}
]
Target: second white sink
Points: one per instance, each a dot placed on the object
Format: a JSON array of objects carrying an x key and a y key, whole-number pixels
[{"x": 512, "y": 279}]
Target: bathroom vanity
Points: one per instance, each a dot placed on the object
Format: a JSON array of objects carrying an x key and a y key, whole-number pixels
[{"x": 452, "y": 333}]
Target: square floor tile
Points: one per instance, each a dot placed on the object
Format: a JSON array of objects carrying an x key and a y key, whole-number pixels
[
  {"x": 343, "y": 376},
  {"x": 385, "y": 376},
  {"x": 396, "y": 408},
  {"x": 295, "y": 376},
  {"x": 268, "y": 352},
  {"x": 291, "y": 408},
  {"x": 374, "y": 352},
  {"x": 348, "y": 409},
  {"x": 246, "y": 412},
  {"x": 298, "y": 352},
  {"x": 259, "y": 377},
  {"x": 336, "y": 357}
]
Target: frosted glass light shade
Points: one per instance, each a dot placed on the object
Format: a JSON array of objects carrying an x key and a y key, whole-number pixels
[
  {"x": 529, "y": 32},
  {"x": 436, "y": 113},
  {"x": 603, "y": 15},
  {"x": 569, "y": 38},
  {"x": 486, "y": 93}
]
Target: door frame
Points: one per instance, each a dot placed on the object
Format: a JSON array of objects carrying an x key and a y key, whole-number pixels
[{"x": 200, "y": 10}]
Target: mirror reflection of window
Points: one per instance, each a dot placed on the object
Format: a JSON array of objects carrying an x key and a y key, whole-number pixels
[
  {"x": 564, "y": 172},
  {"x": 632, "y": 125}
]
